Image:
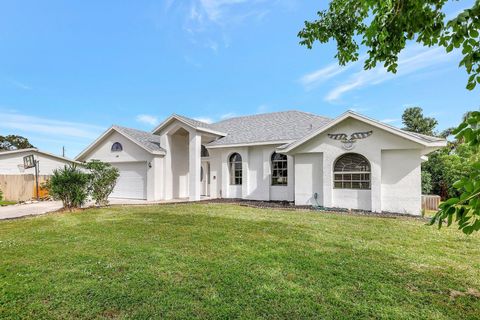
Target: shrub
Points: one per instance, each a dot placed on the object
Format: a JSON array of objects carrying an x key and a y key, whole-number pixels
[
  {"x": 426, "y": 182},
  {"x": 70, "y": 185},
  {"x": 1, "y": 195},
  {"x": 102, "y": 180}
]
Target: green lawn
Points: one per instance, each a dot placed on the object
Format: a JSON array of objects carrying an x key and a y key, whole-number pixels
[{"x": 226, "y": 261}]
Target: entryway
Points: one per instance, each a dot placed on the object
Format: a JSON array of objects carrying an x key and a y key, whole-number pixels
[{"x": 205, "y": 178}]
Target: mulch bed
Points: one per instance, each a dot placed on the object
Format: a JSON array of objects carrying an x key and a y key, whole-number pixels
[{"x": 286, "y": 205}]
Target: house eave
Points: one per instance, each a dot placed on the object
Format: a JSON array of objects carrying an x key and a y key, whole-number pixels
[
  {"x": 250, "y": 144},
  {"x": 100, "y": 139},
  {"x": 40, "y": 152},
  {"x": 372, "y": 122},
  {"x": 174, "y": 117}
]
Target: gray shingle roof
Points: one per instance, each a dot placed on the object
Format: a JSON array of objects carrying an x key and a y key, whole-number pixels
[
  {"x": 194, "y": 123},
  {"x": 425, "y": 137},
  {"x": 268, "y": 127},
  {"x": 148, "y": 140}
]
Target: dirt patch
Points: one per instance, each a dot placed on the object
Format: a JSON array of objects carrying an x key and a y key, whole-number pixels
[{"x": 470, "y": 292}]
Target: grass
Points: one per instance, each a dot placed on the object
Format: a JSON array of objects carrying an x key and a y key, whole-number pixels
[
  {"x": 225, "y": 261},
  {"x": 6, "y": 203}
]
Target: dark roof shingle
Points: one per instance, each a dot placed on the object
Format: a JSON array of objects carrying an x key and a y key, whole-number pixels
[
  {"x": 268, "y": 127},
  {"x": 149, "y": 141}
]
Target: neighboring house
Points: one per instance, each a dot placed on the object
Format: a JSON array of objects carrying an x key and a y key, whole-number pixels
[
  {"x": 349, "y": 162},
  {"x": 11, "y": 162},
  {"x": 17, "y": 182}
]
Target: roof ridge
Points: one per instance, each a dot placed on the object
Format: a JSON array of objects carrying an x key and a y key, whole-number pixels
[
  {"x": 270, "y": 113},
  {"x": 191, "y": 119},
  {"x": 135, "y": 129}
]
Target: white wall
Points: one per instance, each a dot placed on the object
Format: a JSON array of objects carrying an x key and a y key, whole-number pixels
[
  {"x": 182, "y": 161},
  {"x": 308, "y": 178},
  {"x": 352, "y": 199},
  {"x": 179, "y": 165},
  {"x": 256, "y": 180},
  {"x": 131, "y": 153},
  {"x": 9, "y": 163},
  {"x": 372, "y": 148},
  {"x": 401, "y": 181}
]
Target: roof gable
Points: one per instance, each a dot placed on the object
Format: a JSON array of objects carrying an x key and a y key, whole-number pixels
[
  {"x": 35, "y": 150},
  {"x": 423, "y": 140},
  {"x": 195, "y": 124},
  {"x": 145, "y": 140}
]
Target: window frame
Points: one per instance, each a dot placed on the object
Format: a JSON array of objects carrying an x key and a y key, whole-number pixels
[
  {"x": 278, "y": 170},
  {"x": 235, "y": 169},
  {"x": 349, "y": 179},
  {"x": 204, "y": 152},
  {"x": 114, "y": 147}
]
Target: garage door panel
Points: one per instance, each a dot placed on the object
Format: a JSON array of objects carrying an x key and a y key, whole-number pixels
[{"x": 132, "y": 182}]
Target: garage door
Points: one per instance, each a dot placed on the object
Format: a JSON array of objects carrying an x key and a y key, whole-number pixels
[{"x": 132, "y": 182}]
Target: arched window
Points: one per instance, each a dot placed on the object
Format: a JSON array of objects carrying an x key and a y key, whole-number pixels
[
  {"x": 116, "y": 147},
  {"x": 204, "y": 152},
  {"x": 235, "y": 164},
  {"x": 351, "y": 171},
  {"x": 279, "y": 169}
]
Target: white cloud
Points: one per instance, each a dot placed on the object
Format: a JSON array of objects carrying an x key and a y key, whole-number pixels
[
  {"x": 54, "y": 128},
  {"x": 216, "y": 10},
  {"x": 19, "y": 84},
  {"x": 147, "y": 119},
  {"x": 390, "y": 120},
  {"x": 262, "y": 108},
  {"x": 411, "y": 61},
  {"x": 314, "y": 78},
  {"x": 228, "y": 115},
  {"x": 204, "y": 119}
]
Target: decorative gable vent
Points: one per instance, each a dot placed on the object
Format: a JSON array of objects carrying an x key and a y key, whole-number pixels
[{"x": 349, "y": 142}]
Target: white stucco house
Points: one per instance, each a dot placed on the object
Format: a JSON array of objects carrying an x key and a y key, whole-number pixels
[
  {"x": 351, "y": 161},
  {"x": 11, "y": 162}
]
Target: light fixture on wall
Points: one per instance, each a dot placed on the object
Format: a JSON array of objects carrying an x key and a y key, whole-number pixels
[{"x": 150, "y": 164}]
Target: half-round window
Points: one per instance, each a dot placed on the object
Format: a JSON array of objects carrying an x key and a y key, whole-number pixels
[
  {"x": 351, "y": 171},
  {"x": 279, "y": 169},
  {"x": 235, "y": 164},
  {"x": 204, "y": 152},
  {"x": 116, "y": 147}
]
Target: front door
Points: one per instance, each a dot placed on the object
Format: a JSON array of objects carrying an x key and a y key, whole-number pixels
[{"x": 205, "y": 178}]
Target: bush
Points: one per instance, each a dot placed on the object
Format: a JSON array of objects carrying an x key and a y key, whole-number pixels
[
  {"x": 70, "y": 185},
  {"x": 426, "y": 182},
  {"x": 1, "y": 195},
  {"x": 102, "y": 180}
]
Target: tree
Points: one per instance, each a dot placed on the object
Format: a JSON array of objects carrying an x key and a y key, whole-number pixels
[
  {"x": 414, "y": 121},
  {"x": 385, "y": 27},
  {"x": 103, "y": 178},
  {"x": 14, "y": 142},
  {"x": 465, "y": 208}
]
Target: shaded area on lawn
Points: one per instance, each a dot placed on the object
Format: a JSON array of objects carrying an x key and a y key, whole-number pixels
[{"x": 225, "y": 261}]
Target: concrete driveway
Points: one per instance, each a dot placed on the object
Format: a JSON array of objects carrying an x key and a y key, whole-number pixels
[{"x": 31, "y": 209}]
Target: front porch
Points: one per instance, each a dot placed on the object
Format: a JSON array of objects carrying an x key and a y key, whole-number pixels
[{"x": 187, "y": 164}]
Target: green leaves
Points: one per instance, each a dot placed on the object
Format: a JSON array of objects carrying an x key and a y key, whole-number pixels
[
  {"x": 69, "y": 185},
  {"x": 103, "y": 178},
  {"x": 385, "y": 26},
  {"x": 466, "y": 208}
]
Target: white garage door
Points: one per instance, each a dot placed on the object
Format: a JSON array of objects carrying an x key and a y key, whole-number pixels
[{"x": 132, "y": 182}]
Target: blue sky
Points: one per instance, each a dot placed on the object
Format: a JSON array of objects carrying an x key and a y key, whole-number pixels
[{"x": 70, "y": 69}]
